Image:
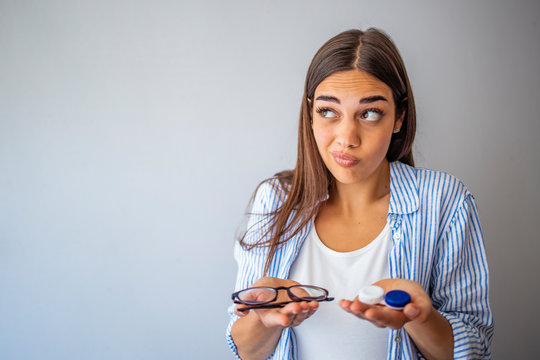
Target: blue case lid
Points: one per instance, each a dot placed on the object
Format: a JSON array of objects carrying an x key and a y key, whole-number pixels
[{"x": 397, "y": 299}]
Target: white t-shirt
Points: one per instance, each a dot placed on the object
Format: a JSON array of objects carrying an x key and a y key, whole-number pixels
[{"x": 332, "y": 333}]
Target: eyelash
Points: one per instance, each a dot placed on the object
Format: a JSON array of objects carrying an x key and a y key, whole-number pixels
[
  {"x": 321, "y": 110},
  {"x": 375, "y": 110}
]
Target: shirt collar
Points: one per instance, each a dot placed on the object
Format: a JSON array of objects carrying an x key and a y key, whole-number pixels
[{"x": 403, "y": 189}]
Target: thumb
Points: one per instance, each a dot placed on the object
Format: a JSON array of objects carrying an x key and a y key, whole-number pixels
[{"x": 411, "y": 311}]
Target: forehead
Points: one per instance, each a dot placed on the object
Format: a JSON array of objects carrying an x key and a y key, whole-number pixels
[{"x": 353, "y": 82}]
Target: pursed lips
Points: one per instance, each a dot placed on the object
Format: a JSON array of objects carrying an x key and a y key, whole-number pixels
[{"x": 344, "y": 159}]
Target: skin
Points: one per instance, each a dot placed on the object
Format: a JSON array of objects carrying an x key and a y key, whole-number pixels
[
  {"x": 353, "y": 120},
  {"x": 257, "y": 332},
  {"x": 430, "y": 331},
  {"x": 354, "y": 114},
  {"x": 356, "y": 212}
]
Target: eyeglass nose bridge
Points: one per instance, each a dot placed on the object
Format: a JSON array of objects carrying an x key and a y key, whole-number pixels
[
  {"x": 283, "y": 287},
  {"x": 289, "y": 292},
  {"x": 287, "y": 288}
]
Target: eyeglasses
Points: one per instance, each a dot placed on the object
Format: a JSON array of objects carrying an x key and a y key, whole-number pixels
[{"x": 261, "y": 297}]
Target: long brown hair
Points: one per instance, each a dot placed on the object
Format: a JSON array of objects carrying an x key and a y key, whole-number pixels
[{"x": 370, "y": 51}]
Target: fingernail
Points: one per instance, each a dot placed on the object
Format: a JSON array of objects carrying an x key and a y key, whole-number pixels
[{"x": 305, "y": 311}]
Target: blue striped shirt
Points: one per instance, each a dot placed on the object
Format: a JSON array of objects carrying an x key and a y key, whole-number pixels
[{"x": 437, "y": 241}]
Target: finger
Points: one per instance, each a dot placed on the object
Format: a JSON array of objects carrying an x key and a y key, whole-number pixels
[
  {"x": 291, "y": 308},
  {"x": 299, "y": 318},
  {"x": 306, "y": 313},
  {"x": 359, "y": 307},
  {"x": 374, "y": 315},
  {"x": 309, "y": 307},
  {"x": 394, "y": 319},
  {"x": 411, "y": 311},
  {"x": 295, "y": 320},
  {"x": 304, "y": 307},
  {"x": 307, "y": 310},
  {"x": 345, "y": 305},
  {"x": 239, "y": 312},
  {"x": 299, "y": 312},
  {"x": 378, "y": 324},
  {"x": 272, "y": 318},
  {"x": 313, "y": 306}
]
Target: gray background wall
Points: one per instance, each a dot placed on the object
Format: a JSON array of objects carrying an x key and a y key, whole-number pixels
[{"x": 132, "y": 134}]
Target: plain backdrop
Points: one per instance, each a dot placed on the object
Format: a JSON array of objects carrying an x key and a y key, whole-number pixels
[{"x": 132, "y": 134}]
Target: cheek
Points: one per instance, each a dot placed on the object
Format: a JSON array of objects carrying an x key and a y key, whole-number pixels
[
  {"x": 381, "y": 142},
  {"x": 383, "y": 137},
  {"x": 323, "y": 138}
]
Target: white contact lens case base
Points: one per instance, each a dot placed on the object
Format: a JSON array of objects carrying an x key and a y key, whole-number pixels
[{"x": 371, "y": 295}]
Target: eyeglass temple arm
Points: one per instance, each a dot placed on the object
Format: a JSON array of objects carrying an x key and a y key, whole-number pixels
[{"x": 276, "y": 305}]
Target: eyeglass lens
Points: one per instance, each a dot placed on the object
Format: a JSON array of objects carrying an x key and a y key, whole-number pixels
[
  {"x": 308, "y": 292},
  {"x": 258, "y": 295}
]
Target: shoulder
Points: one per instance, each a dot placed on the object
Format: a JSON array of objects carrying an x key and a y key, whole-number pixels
[
  {"x": 429, "y": 181},
  {"x": 269, "y": 195},
  {"x": 441, "y": 184},
  {"x": 431, "y": 187}
]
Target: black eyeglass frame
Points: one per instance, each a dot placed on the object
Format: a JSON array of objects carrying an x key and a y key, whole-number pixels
[{"x": 269, "y": 305}]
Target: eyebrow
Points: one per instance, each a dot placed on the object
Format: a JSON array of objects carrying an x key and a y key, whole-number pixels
[{"x": 366, "y": 100}]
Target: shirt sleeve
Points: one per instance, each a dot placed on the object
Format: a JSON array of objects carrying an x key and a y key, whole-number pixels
[
  {"x": 460, "y": 283},
  {"x": 251, "y": 262}
]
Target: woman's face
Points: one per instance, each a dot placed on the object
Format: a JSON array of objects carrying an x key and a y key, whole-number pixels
[{"x": 353, "y": 121}]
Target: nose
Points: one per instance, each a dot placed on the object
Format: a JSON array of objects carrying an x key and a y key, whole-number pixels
[{"x": 347, "y": 133}]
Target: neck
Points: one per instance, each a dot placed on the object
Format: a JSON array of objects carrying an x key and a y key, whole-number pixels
[{"x": 351, "y": 198}]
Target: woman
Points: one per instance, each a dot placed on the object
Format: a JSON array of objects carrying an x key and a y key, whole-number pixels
[{"x": 355, "y": 212}]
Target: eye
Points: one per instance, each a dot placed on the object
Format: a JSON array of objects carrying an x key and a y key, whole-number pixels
[
  {"x": 372, "y": 115},
  {"x": 326, "y": 113}
]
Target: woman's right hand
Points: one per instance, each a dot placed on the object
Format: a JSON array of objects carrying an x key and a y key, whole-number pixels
[{"x": 291, "y": 315}]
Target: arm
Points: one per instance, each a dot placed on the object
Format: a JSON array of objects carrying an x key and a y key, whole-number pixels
[
  {"x": 433, "y": 337},
  {"x": 455, "y": 319},
  {"x": 254, "y": 340},
  {"x": 250, "y": 263},
  {"x": 256, "y": 334},
  {"x": 460, "y": 283}
]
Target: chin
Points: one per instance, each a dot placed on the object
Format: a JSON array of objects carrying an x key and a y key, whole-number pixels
[
  {"x": 353, "y": 175},
  {"x": 347, "y": 179}
]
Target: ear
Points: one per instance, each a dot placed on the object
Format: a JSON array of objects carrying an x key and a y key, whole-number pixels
[{"x": 399, "y": 120}]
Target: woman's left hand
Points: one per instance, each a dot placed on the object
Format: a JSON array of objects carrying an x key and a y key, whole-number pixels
[{"x": 418, "y": 310}]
